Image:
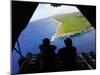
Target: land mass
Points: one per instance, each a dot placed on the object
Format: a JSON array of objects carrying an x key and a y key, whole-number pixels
[{"x": 71, "y": 24}]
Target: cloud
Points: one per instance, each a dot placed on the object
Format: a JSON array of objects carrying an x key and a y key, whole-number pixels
[{"x": 46, "y": 10}]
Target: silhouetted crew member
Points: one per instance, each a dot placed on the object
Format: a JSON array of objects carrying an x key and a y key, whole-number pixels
[
  {"x": 67, "y": 55},
  {"x": 48, "y": 56}
]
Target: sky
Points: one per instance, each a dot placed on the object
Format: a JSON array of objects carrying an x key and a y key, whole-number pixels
[{"x": 46, "y": 10}]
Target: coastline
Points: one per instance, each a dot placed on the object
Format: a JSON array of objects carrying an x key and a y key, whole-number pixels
[
  {"x": 57, "y": 35},
  {"x": 57, "y": 30}
]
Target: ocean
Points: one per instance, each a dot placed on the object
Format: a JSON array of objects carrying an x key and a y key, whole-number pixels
[{"x": 32, "y": 36}]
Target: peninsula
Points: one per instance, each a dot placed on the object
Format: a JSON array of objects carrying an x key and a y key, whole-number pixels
[{"x": 71, "y": 24}]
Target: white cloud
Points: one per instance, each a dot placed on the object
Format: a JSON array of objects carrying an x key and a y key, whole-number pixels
[{"x": 46, "y": 10}]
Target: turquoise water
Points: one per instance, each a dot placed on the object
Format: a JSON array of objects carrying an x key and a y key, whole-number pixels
[{"x": 32, "y": 37}]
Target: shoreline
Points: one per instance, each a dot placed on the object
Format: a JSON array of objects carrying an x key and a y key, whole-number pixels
[
  {"x": 57, "y": 35},
  {"x": 57, "y": 30}
]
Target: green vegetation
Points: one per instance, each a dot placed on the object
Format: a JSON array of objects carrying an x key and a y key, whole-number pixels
[{"x": 72, "y": 23}]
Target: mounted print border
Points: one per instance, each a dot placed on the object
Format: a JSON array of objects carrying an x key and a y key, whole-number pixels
[{"x": 52, "y": 37}]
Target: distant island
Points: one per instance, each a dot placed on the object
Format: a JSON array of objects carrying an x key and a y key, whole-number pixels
[{"x": 71, "y": 24}]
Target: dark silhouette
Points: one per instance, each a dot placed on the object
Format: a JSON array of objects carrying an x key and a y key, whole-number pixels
[
  {"x": 48, "y": 61},
  {"x": 67, "y": 55},
  {"x": 48, "y": 56}
]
